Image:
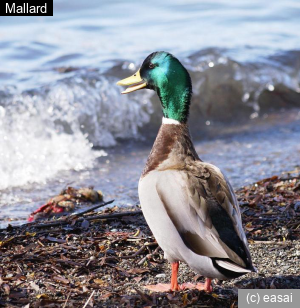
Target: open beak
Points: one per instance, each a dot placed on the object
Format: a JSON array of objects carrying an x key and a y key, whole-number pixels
[{"x": 135, "y": 82}]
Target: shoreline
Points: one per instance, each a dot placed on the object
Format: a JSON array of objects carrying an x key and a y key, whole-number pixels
[
  {"x": 255, "y": 150},
  {"x": 109, "y": 260}
]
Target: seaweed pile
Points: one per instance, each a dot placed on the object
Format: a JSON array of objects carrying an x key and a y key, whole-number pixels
[
  {"x": 66, "y": 201},
  {"x": 103, "y": 258}
]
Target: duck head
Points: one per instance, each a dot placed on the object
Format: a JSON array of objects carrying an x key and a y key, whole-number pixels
[{"x": 163, "y": 73}]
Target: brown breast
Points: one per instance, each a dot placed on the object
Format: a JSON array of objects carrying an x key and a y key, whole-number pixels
[{"x": 172, "y": 149}]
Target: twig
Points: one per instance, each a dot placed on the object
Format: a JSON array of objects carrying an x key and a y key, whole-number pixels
[
  {"x": 264, "y": 219},
  {"x": 293, "y": 224},
  {"x": 70, "y": 262},
  {"x": 135, "y": 254},
  {"x": 86, "y": 303},
  {"x": 144, "y": 296},
  {"x": 149, "y": 254},
  {"x": 139, "y": 251},
  {"x": 268, "y": 242},
  {"x": 78, "y": 214},
  {"x": 97, "y": 217},
  {"x": 67, "y": 300},
  {"x": 142, "y": 260},
  {"x": 62, "y": 222}
]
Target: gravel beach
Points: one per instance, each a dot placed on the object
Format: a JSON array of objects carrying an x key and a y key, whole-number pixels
[{"x": 105, "y": 258}]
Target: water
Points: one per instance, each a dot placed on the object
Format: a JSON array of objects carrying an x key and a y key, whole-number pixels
[{"x": 62, "y": 118}]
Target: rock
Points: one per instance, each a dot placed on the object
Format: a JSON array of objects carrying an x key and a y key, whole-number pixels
[
  {"x": 280, "y": 97},
  {"x": 160, "y": 276}
]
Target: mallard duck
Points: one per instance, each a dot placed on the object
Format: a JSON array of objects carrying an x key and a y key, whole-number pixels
[{"x": 188, "y": 204}]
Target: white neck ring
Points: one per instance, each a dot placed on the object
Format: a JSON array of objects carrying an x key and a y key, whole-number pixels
[{"x": 170, "y": 121}]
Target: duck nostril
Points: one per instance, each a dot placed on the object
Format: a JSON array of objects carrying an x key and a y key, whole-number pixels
[{"x": 134, "y": 75}]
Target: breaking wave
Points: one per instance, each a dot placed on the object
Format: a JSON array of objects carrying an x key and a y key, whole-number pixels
[{"x": 54, "y": 127}]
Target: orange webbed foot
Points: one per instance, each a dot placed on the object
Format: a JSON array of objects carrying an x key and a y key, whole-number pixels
[
  {"x": 199, "y": 286},
  {"x": 162, "y": 287}
]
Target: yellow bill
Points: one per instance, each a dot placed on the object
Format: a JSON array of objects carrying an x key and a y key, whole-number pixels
[{"x": 135, "y": 82}]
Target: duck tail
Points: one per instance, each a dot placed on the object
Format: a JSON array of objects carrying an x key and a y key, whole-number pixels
[{"x": 234, "y": 267}]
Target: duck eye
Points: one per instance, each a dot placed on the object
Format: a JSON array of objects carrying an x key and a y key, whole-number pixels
[{"x": 151, "y": 65}]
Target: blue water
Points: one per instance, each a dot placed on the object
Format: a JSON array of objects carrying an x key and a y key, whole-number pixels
[
  {"x": 89, "y": 33},
  {"x": 63, "y": 119}
]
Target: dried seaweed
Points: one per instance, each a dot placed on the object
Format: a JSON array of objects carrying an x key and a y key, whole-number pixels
[
  {"x": 67, "y": 201},
  {"x": 104, "y": 259}
]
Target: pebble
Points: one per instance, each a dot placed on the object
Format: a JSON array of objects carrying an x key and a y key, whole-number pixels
[{"x": 160, "y": 276}]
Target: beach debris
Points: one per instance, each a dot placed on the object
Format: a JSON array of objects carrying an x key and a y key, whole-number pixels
[
  {"x": 67, "y": 201},
  {"x": 106, "y": 263},
  {"x": 271, "y": 204}
]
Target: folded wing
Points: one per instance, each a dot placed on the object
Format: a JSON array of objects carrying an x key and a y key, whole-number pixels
[{"x": 204, "y": 210}]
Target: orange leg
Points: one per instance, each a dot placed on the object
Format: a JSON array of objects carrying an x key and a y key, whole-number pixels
[
  {"x": 165, "y": 287},
  {"x": 174, "y": 281},
  {"x": 207, "y": 285}
]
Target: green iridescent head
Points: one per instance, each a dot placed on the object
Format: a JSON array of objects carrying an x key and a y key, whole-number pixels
[{"x": 163, "y": 73}]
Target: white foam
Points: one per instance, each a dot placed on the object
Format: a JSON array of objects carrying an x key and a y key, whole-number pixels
[
  {"x": 31, "y": 152},
  {"x": 55, "y": 128}
]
